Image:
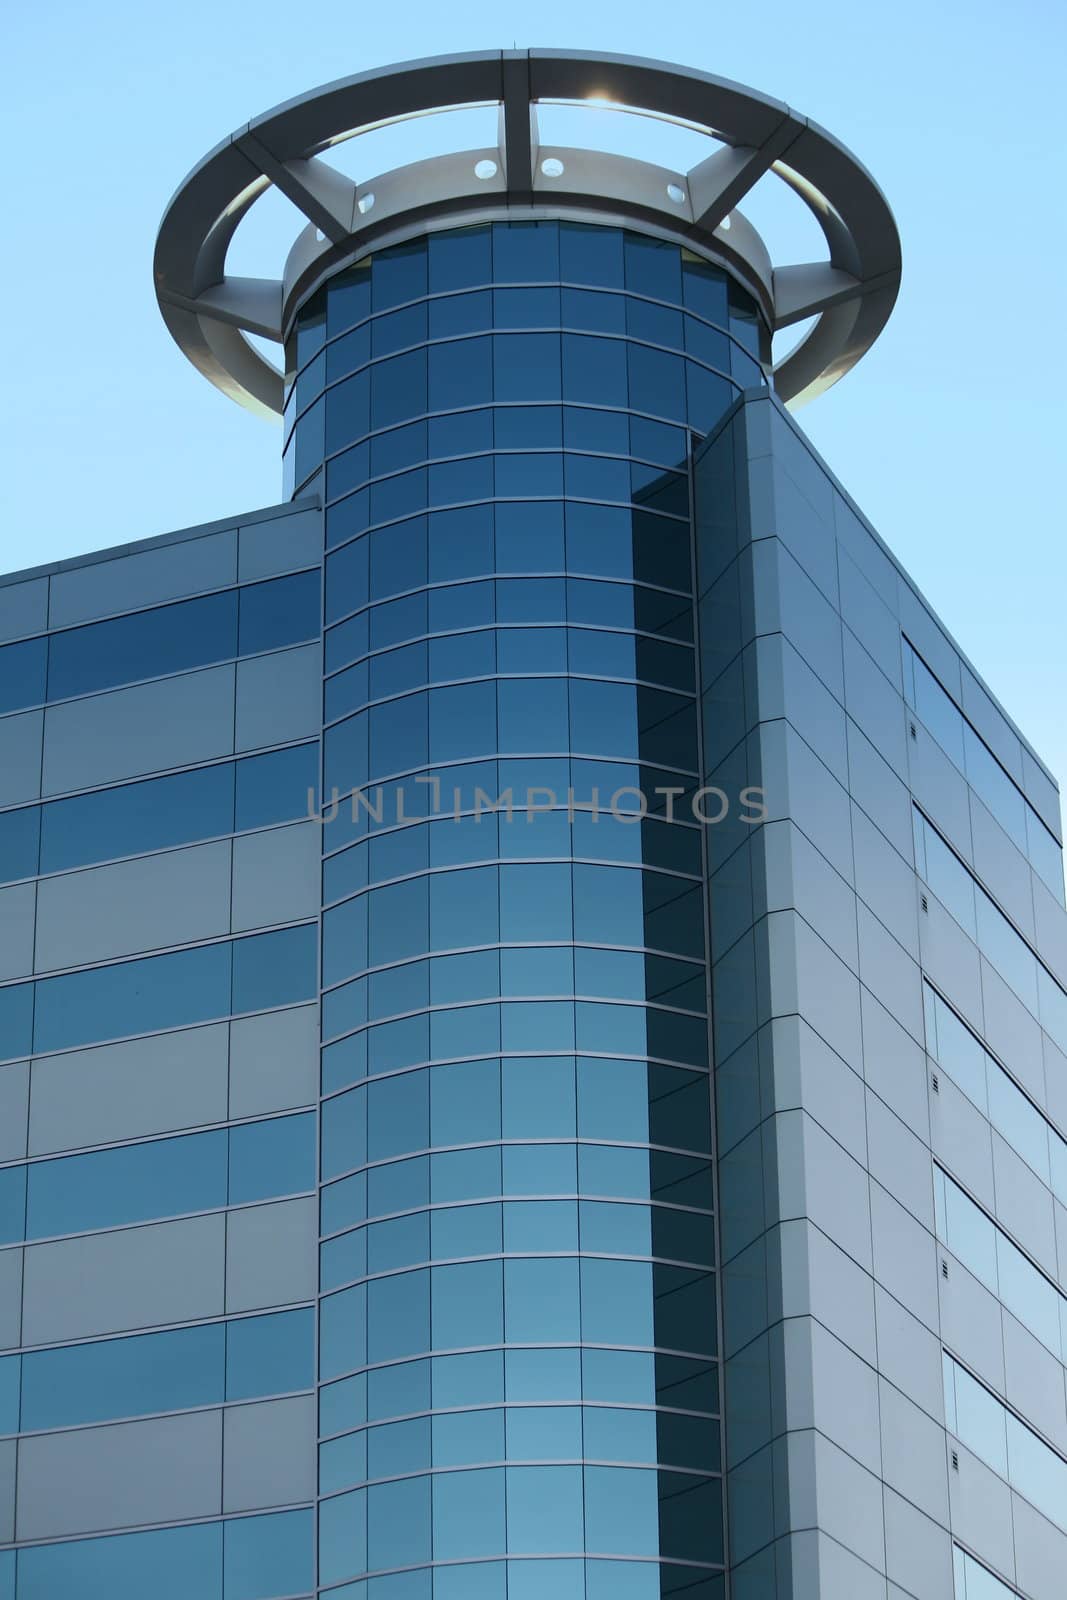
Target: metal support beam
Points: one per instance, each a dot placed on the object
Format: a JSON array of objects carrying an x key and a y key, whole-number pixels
[
  {"x": 253, "y": 304},
  {"x": 719, "y": 183},
  {"x": 518, "y": 116},
  {"x": 325, "y": 196},
  {"x": 805, "y": 290}
]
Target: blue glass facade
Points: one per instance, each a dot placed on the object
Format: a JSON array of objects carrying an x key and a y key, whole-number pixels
[
  {"x": 518, "y": 1323},
  {"x": 366, "y": 1230}
]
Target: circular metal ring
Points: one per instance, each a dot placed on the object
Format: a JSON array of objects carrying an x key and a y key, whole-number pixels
[{"x": 850, "y": 295}]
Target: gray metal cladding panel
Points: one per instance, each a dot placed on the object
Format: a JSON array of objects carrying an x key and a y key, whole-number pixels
[
  {"x": 153, "y": 1085},
  {"x": 178, "y": 897},
  {"x": 168, "y": 1468},
  {"x": 143, "y": 578},
  {"x": 134, "y": 1278},
  {"x": 172, "y": 722}
]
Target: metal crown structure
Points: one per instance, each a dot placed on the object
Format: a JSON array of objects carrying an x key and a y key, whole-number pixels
[{"x": 850, "y": 294}]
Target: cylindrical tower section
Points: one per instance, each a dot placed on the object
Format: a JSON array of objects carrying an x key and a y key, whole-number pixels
[{"x": 518, "y": 1346}]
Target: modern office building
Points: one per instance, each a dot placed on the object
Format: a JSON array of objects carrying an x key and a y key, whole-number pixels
[{"x": 533, "y": 975}]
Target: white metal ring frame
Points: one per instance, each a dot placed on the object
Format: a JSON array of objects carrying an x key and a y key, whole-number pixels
[{"x": 850, "y": 295}]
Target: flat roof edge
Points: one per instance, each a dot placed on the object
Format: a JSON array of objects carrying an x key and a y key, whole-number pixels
[{"x": 200, "y": 530}]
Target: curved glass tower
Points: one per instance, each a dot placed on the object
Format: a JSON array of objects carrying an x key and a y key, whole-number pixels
[
  {"x": 518, "y": 1323},
  {"x": 533, "y": 975}
]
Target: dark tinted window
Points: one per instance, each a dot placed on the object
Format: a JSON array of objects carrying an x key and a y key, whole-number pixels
[
  {"x": 16, "y": 1019},
  {"x": 272, "y": 1157},
  {"x": 399, "y": 274},
  {"x": 274, "y": 788},
  {"x": 137, "y": 816},
  {"x": 458, "y": 259},
  {"x": 525, "y": 252},
  {"x": 144, "y": 645},
  {"x": 270, "y": 1355},
  {"x": 22, "y": 673},
  {"x": 124, "y": 1377},
  {"x": 132, "y": 997},
  {"x": 19, "y": 835},
  {"x": 275, "y": 969},
  {"x": 283, "y": 611},
  {"x": 106, "y": 1188}
]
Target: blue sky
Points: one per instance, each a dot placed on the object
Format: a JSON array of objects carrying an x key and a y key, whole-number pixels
[{"x": 950, "y": 434}]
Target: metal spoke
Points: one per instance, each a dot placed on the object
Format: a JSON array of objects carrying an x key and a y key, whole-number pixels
[
  {"x": 805, "y": 290},
  {"x": 719, "y": 183},
  {"x": 518, "y": 117},
  {"x": 325, "y": 196},
  {"x": 254, "y": 304}
]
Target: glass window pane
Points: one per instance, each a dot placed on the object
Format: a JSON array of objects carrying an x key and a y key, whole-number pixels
[
  {"x": 398, "y": 330},
  {"x": 16, "y": 1018},
  {"x": 591, "y": 254},
  {"x": 398, "y": 1521},
  {"x": 273, "y": 1157},
  {"x": 621, "y": 1510},
  {"x": 346, "y": 354},
  {"x": 343, "y": 1259},
  {"x": 468, "y": 1514},
  {"x": 348, "y": 297},
  {"x": 532, "y": 716},
  {"x": 526, "y": 252},
  {"x": 397, "y": 558},
  {"x": 617, "y": 1302},
  {"x": 275, "y": 969},
  {"x": 545, "y": 1509},
  {"x": 137, "y": 816},
  {"x": 468, "y": 1305},
  {"x": 399, "y": 274},
  {"x": 526, "y": 366},
  {"x": 343, "y": 1331},
  {"x": 469, "y": 1438},
  {"x": 397, "y": 1116},
  {"x": 270, "y": 1355},
  {"x": 466, "y": 1231},
  {"x": 459, "y": 258},
  {"x": 19, "y": 841},
  {"x": 144, "y": 645},
  {"x": 398, "y": 388},
  {"x": 282, "y": 612},
  {"x": 23, "y": 671},
  {"x": 167, "y": 1563},
  {"x": 653, "y": 268},
  {"x": 548, "y": 1225},
  {"x": 161, "y": 1178},
  {"x": 526, "y": 308},
  {"x": 655, "y": 323},
  {"x": 124, "y": 1377},
  {"x": 541, "y": 1301},
  {"x": 594, "y": 369},
  {"x": 468, "y": 1380},
  {"x": 343, "y": 1536},
  {"x": 398, "y": 1316},
  {"x": 10, "y": 1371},
  {"x": 277, "y": 787},
  {"x": 460, "y": 374},
  {"x": 454, "y": 314},
  {"x": 538, "y": 1098},
  {"x": 657, "y": 382},
  {"x": 465, "y": 1102},
  {"x": 342, "y": 1462}
]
